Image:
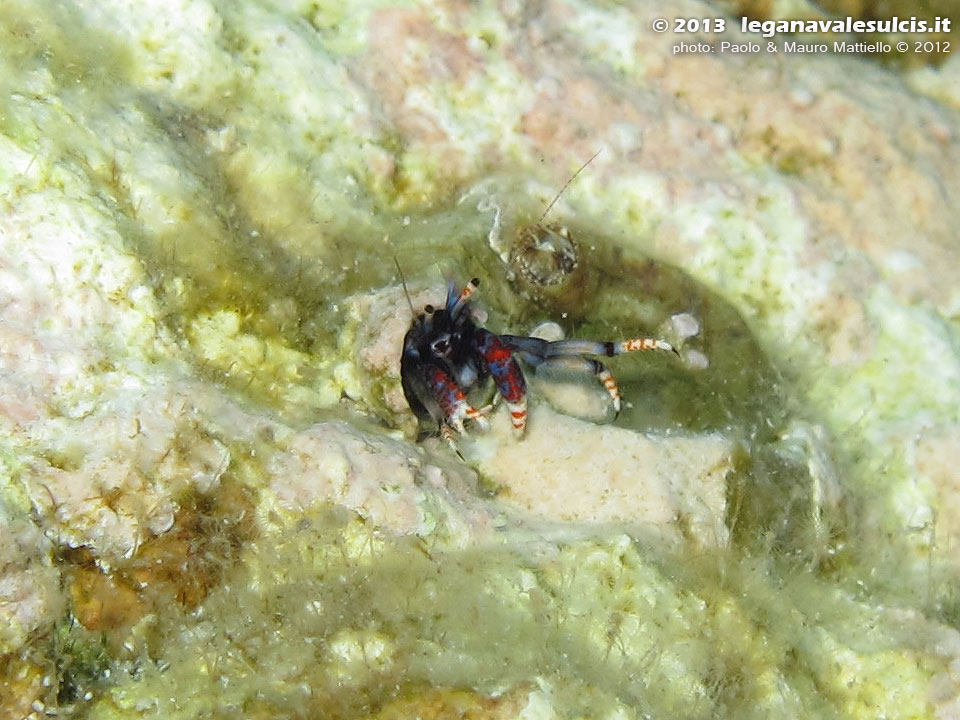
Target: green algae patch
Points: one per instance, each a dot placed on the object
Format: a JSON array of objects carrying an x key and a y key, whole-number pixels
[
  {"x": 12, "y": 492},
  {"x": 332, "y": 617},
  {"x": 82, "y": 658},
  {"x": 248, "y": 234},
  {"x": 254, "y": 195}
]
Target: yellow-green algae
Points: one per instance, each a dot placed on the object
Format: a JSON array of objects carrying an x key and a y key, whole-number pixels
[
  {"x": 250, "y": 256},
  {"x": 331, "y": 618}
]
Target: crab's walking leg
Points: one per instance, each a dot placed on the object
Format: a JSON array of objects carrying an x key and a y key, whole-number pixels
[
  {"x": 507, "y": 376},
  {"x": 577, "y": 362},
  {"x": 536, "y": 350},
  {"x": 569, "y": 354},
  {"x": 452, "y": 401},
  {"x": 608, "y": 349},
  {"x": 450, "y": 438}
]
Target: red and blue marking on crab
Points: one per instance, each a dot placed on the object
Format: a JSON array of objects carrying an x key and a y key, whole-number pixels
[
  {"x": 452, "y": 400},
  {"x": 506, "y": 374},
  {"x": 446, "y": 355}
]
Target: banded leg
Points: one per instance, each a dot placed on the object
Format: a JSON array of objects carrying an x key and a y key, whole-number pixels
[
  {"x": 607, "y": 349},
  {"x": 569, "y": 354},
  {"x": 452, "y": 402},
  {"x": 507, "y": 376},
  {"x": 578, "y": 362}
]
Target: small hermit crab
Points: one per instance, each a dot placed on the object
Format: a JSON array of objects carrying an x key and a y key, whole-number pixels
[{"x": 446, "y": 355}]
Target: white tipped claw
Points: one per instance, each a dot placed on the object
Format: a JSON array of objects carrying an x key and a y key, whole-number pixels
[
  {"x": 480, "y": 417},
  {"x": 456, "y": 422}
]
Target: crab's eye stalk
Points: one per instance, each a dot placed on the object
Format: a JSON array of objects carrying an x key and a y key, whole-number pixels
[
  {"x": 429, "y": 309},
  {"x": 441, "y": 346}
]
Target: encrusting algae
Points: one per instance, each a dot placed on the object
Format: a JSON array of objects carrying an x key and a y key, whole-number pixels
[{"x": 212, "y": 499}]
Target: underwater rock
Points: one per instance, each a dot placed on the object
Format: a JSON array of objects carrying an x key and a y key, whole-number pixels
[
  {"x": 448, "y": 703},
  {"x": 196, "y": 212},
  {"x": 30, "y": 598},
  {"x": 375, "y": 326},
  {"x": 115, "y": 478},
  {"x": 23, "y": 686},
  {"x": 941, "y": 83},
  {"x": 667, "y": 486},
  {"x": 384, "y": 480}
]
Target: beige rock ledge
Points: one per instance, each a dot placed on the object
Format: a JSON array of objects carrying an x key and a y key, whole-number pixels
[
  {"x": 572, "y": 470},
  {"x": 390, "y": 482}
]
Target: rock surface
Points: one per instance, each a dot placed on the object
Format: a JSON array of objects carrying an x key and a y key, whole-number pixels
[
  {"x": 198, "y": 204},
  {"x": 575, "y": 471}
]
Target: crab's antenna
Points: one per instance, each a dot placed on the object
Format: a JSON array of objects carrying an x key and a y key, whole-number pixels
[
  {"x": 403, "y": 282},
  {"x": 572, "y": 178}
]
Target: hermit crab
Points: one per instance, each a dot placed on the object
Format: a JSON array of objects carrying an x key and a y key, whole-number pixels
[{"x": 446, "y": 354}]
